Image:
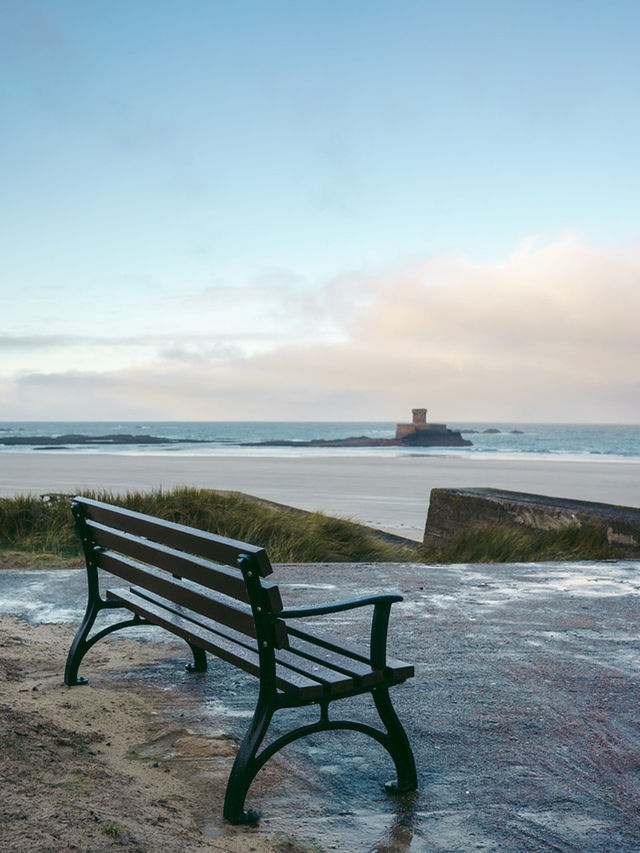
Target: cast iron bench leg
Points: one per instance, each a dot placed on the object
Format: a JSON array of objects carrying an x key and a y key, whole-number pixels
[
  {"x": 79, "y": 646},
  {"x": 245, "y": 767},
  {"x": 397, "y": 744},
  {"x": 199, "y": 659}
]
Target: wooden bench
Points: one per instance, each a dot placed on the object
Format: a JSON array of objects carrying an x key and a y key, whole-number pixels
[{"x": 212, "y": 592}]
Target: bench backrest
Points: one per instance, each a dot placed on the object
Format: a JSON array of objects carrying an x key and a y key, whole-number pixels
[{"x": 219, "y": 578}]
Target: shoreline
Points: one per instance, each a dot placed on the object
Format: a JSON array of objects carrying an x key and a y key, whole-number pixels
[{"x": 390, "y": 493}]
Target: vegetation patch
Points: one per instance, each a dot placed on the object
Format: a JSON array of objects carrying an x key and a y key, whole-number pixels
[
  {"x": 113, "y": 829},
  {"x": 509, "y": 545},
  {"x": 37, "y": 530}
]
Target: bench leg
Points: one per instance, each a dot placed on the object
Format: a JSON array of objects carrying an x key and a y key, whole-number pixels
[
  {"x": 248, "y": 762},
  {"x": 199, "y": 659},
  {"x": 79, "y": 646},
  {"x": 396, "y": 743},
  {"x": 245, "y": 768}
]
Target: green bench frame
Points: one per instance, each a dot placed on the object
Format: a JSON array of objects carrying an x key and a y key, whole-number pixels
[{"x": 212, "y": 592}]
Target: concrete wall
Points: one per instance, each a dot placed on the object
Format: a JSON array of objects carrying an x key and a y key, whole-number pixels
[{"x": 452, "y": 511}]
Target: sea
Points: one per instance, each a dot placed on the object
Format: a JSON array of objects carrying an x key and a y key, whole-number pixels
[{"x": 588, "y": 442}]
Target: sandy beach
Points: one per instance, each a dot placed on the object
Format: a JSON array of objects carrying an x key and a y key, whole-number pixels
[{"x": 387, "y": 492}]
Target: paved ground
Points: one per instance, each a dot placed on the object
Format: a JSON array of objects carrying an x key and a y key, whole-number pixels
[{"x": 524, "y": 713}]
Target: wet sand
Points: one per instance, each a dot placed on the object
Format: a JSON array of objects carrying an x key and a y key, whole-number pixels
[{"x": 387, "y": 492}]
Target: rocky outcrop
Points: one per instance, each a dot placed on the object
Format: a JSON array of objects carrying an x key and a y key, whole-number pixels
[
  {"x": 444, "y": 438},
  {"x": 416, "y": 434},
  {"x": 81, "y": 439}
]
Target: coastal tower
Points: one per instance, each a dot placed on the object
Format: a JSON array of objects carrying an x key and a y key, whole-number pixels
[
  {"x": 419, "y": 418},
  {"x": 419, "y": 424}
]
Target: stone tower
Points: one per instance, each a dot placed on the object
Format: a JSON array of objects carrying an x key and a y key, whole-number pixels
[
  {"x": 419, "y": 418},
  {"x": 418, "y": 425}
]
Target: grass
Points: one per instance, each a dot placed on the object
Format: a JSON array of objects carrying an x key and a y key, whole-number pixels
[
  {"x": 42, "y": 531},
  {"x": 38, "y": 532},
  {"x": 113, "y": 829},
  {"x": 508, "y": 545}
]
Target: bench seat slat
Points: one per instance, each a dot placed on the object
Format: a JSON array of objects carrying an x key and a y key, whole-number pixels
[
  {"x": 307, "y": 649},
  {"x": 288, "y": 681},
  {"x": 178, "y": 536},
  {"x": 335, "y": 683},
  {"x": 335, "y": 680},
  {"x": 217, "y": 577},
  {"x": 197, "y": 618},
  {"x": 360, "y": 672},
  {"x": 395, "y": 670}
]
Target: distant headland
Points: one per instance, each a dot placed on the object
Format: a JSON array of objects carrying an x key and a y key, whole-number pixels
[
  {"x": 418, "y": 433},
  {"x": 60, "y": 441}
]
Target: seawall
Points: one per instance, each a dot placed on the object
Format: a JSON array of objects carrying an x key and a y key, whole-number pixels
[{"x": 452, "y": 511}]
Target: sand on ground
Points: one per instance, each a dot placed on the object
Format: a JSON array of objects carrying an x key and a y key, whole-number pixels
[
  {"x": 86, "y": 768},
  {"x": 388, "y": 492}
]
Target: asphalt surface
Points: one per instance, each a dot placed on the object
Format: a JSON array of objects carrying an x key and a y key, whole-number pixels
[{"x": 524, "y": 714}]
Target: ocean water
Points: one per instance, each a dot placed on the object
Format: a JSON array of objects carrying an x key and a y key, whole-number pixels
[{"x": 589, "y": 442}]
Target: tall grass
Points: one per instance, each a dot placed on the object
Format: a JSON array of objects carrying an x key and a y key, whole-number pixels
[
  {"x": 31, "y": 526},
  {"x": 34, "y": 532},
  {"x": 506, "y": 545}
]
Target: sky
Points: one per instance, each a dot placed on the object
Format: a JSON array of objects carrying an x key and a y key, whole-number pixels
[{"x": 320, "y": 210}]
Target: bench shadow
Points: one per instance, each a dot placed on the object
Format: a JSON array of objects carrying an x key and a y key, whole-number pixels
[{"x": 401, "y": 832}]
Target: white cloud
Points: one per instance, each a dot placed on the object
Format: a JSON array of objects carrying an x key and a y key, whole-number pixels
[{"x": 550, "y": 334}]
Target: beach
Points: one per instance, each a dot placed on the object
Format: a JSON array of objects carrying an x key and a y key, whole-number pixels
[{"x": 388, "y": 492}]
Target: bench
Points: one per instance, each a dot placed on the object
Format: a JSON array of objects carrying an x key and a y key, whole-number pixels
[{"x": 212, "y": 592}]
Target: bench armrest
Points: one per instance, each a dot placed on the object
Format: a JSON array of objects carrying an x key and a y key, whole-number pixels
[
  {"x": 336, "y": 607},
  {"x": 379, "y": 623}
]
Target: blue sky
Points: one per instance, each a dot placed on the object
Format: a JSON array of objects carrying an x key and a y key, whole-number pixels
[{"x": 330, "y": 210}]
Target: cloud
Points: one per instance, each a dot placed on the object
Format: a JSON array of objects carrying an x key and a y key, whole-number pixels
[
  {"x": 10, "y": 343},
  {"x": 561, "y": 307},
  {"x": 549, "y": 334},
  {"x": 194, "y": 353},
  {"x": 283, "y": 305}
]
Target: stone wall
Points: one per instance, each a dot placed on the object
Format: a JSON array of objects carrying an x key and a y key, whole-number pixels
[{"x": 452, "y": 511}]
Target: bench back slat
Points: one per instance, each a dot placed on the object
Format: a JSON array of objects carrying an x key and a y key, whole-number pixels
[
  {"x": 216, "y": 577},
  {"x": 179, "y": 536},
  {"x": 212, "y": 575},
  {"x": 236, "y": 616}
]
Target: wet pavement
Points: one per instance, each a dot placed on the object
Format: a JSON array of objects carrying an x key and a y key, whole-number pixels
[{"x": 524, "y": 713}]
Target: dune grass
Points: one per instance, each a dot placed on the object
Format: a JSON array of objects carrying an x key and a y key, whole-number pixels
[
  {"x": 33, "y": 529},
  {"x": 39, "y": 533},
  {"x": 506, "y": 545}
]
